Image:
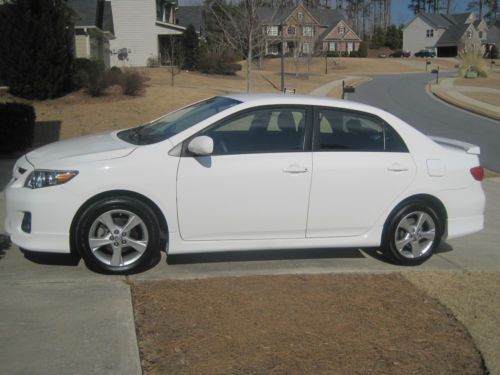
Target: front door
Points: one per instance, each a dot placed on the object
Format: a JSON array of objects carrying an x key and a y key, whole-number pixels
[{"x": 256, "y": 183}]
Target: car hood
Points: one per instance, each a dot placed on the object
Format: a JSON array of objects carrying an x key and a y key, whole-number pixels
[{"x": 96, "y": 147}]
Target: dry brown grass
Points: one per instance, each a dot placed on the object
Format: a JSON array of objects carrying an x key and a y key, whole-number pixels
[
  {"x": 493, "y": 99},
  {"x": 330, "y": 324},
  {"x": 492, "y": 81},
  {"x": 474, "y": 298},
  {"x": 79, "y": 114}
]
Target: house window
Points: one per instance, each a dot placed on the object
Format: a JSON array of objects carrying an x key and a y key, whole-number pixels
[
  {"x": 307, "y": 31},
  {"x": 291, "y": 30},
  {"x": 306, "y": 48},
  {"x": 469, "y": 34},
  {"x": 480, "y": 35},
  {"x": 341, "y": 30},
  {"x": 430, "y": 33},
  {"x": 272, "y": 30},
  {"x": 300, "y": 16},
  {"x": 331, "y": 46}
]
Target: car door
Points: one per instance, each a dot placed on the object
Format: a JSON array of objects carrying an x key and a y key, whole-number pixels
[
  {"x": 256, "y": 183},
  {"x": 361, "y": 166}
]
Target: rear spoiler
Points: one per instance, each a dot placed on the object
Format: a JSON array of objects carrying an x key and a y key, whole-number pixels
[{"x": 467, "y": 147}]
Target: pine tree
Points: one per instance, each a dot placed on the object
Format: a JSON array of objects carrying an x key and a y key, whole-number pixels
[
  {"x": 36, "y": 48},
  {"x": 190, "y": 46}
]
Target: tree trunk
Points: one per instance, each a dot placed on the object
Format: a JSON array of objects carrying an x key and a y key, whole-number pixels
[{"x": 249, "y": 62}]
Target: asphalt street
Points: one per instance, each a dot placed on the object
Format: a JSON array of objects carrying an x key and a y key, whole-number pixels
[{"x": 405, "y": 96}]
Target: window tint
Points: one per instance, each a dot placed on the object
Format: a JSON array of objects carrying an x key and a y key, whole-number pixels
[
  {"x": 258, "y": 131},
  {"x": 341, "y": 130}
]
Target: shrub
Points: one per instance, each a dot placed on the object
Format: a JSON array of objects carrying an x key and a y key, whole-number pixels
[
  {"x": 472, "y": 60},
  {"x": 363, "y": 49},
  {"x": 17, "y": 127},
  {"x": 353, "y": 54},
  {"x": 132, "y": 82},
  {"x": 96, "y": 82},
  {"x": 36, "y": 47},
  {"x": 213, "y": 62},
  {"x": 190, "y": 48},
  {"x": 333, "y": 54},
  {"x": 113, "y": 76}
]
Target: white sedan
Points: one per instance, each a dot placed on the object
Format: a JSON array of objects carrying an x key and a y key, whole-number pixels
[{"x": 247, "y": 172}]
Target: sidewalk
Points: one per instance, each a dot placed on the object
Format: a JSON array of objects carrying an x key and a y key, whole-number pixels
[{"x": 455, "y": 95}]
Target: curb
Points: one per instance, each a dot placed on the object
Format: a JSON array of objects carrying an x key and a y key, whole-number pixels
[{"x": 458, "y": 105}]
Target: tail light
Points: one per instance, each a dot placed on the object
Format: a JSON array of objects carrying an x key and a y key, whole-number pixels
[{"x": 477, "y": 173}]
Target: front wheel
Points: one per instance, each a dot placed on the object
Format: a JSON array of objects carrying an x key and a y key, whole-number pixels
[
  {"x": 117, "y": 235},
  {"x": 412, "y": 234}
]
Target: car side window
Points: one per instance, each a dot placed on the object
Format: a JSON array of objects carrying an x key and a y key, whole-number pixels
[
  {"x": 259, "y": 131},
  {"x": 341, "y": 130}
]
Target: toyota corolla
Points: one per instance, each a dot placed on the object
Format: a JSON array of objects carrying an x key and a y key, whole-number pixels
[{"x": 247, "y": 172}]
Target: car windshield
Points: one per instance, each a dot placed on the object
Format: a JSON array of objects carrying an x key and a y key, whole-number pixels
[{"x": 176, "y": 122}]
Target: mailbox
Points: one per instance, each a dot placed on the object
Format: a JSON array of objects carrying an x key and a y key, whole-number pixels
[
  {"x": 434, "y": 71},
  {"x": 349, "y": 89}
]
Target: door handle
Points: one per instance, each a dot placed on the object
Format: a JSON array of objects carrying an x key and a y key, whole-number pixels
[
  {"x": 295, "y": 169},
  {"x": 397, "y": 168}
]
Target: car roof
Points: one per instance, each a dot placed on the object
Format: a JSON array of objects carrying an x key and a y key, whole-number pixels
[{"x": 290, "y": 99}]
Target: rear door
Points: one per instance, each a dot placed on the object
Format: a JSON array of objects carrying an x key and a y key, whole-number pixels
[{"x": 361, "y": 166}]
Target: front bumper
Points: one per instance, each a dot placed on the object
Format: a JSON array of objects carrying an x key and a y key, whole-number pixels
[{"x": 52, "y": 210}]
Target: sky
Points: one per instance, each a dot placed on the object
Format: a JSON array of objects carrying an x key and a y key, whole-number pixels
[{"x": 401, "y": 14}]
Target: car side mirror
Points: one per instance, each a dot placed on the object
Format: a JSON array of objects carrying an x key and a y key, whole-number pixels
[{"x": 201, "y": 146}]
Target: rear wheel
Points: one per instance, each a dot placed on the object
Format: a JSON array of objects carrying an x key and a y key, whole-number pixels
[
  {"x": 118, "y": 235},
  {"x": 412, "y": 233}
]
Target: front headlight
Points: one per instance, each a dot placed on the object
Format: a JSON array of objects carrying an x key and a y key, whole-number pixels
[{"x": 43, "y": 178}]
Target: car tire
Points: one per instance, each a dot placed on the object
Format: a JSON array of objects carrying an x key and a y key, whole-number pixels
[
  {"x": 412, "y": 233},
  {"x": 118, "y": 235}
]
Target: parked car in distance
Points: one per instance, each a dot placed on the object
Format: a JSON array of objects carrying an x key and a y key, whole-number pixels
[
  {"x": 247, "y": 172},
  {"x": 400, "y": 53},
  {"x": 425, "y": 53}
]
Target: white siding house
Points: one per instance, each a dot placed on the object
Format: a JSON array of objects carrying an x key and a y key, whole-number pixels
[
  {"x": 419, "y": 34},
  {"x": 139, "y": 28},
  {"x": 447, "y": 34}
]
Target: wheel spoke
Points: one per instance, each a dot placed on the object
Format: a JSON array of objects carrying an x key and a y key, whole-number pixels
[
  {"x": 430, "y": 235},
  {"x": 402, "y": 243},
  {"x": 96, "y": 243},
  {"x": 139, "y": 246},
  {"x": 116, "y": 259},
  {"x": 107, "y": 220},
  {"x": 404, "y": 224},
  {"x": 415, "y": 249},
  {"x": 132, "y": 222}
]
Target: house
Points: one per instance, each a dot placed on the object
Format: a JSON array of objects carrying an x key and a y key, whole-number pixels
[
  {"x": 445, "y": 33},
  {"x": 493, "y": 36},
  {"x": 93, "y": 28},
  {"x": 143, "y": 30},
  {"x": 306, "y": 30}
]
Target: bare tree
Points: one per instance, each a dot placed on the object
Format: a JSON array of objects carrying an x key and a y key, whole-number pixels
[
  {"x": 172, "y": 55},
  {"x": 240, "y": 28}
]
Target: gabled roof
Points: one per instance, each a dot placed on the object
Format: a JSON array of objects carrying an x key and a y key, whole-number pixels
[
  {"x": 325, "y": 17},
  {"x": 191, "y": 15},
  {"x": 92, "y": 13},
  {"x": 452, "y": 35},
  {"x": 437, "y": 20}
]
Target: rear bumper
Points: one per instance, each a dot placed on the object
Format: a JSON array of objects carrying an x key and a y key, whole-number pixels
[{"x": 465, "y": 209}]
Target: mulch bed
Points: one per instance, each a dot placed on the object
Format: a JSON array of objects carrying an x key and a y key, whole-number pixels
[{"x": 327, "y": 324}]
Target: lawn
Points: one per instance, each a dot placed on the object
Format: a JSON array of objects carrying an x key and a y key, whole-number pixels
[{"x": 78, "y": 114}]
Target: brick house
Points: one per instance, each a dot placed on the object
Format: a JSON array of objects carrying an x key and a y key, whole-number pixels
[{"x": 306, "y": 30}]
